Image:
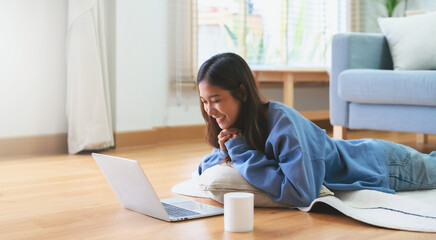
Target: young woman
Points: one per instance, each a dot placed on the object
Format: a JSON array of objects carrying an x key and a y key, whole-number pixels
[{"x": 279, "y": 151}]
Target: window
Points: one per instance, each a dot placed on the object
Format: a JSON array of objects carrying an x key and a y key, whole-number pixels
[{"x": 289, "y": 33}]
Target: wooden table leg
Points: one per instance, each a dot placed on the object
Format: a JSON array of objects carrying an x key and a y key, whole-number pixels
[
  {"x": 339, "y": 132},
  {"x": 421, "y": 138},
  {"x": 256, "y": 79},
  {"x": 288, "y": 89}
]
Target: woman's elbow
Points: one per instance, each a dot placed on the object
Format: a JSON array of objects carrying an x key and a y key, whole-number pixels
[
  {"x": 299, "y": 199},
  {"x": 307, "y": 200}
]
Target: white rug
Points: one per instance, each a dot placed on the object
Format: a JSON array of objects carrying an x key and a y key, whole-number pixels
[{"x": 413, "y": 211}]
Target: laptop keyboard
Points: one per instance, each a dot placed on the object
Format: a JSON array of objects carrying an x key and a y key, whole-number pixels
[{"x": 174, "y": 211}]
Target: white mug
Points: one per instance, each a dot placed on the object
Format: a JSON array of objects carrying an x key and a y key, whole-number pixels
[{"x": 238, "y": 212}]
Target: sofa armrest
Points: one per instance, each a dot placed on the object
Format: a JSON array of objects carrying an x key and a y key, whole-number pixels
[{"x": 352, "y": 51}]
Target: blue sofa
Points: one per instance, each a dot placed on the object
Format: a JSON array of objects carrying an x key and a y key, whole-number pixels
[{"x": 366, "y": 93}]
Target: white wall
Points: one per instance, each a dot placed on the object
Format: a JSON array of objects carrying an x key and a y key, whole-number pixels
[
  {"x": 145, "y": 97},
  {"x": 132, "y": 61},
  {"x": 110, "y": 27},
  {"x": 32, "y": 67}
]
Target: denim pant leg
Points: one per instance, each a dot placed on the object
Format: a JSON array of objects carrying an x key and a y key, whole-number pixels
[{"x": 408, "y": 168}]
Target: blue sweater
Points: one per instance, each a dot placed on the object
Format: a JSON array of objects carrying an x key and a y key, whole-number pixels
[{"x": 299, "y": 157}]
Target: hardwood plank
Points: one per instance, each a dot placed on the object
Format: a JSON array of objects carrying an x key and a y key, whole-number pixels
[{"x": 66, "y": 197}]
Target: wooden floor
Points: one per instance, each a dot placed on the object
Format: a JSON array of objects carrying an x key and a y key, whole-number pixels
[{"x": 67, "y": 197}]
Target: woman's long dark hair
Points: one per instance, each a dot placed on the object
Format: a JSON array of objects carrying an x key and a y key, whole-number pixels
[{"x": 229, "y": 71}]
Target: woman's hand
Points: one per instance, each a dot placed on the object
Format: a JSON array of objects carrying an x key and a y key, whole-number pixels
[{"x": 227, "y": 134}]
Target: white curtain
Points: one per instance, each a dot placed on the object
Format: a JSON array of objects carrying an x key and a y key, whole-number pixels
[{"x": 88, "y": 103}]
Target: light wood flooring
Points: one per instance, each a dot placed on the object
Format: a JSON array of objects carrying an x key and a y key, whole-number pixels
[{"x": 67, "y": 197}]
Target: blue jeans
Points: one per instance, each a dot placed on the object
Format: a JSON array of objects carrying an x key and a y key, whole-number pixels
[{"x": 408, "y": 168}]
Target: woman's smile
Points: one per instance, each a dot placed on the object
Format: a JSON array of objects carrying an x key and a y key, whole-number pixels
[{"x": 220, "y": 119}]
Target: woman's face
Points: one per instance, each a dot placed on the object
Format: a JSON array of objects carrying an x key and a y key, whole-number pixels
[{"x": 219, "y": 104}]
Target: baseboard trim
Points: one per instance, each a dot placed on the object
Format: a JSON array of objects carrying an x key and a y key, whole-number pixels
[
  {"x": 159, "y": 135},
  {"x": 33, "y": 145}
]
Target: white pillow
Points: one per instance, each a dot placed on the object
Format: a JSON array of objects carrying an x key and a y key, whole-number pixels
[
  {"x": 223, "y": 178},
  {"x": 411, "y": 41}
]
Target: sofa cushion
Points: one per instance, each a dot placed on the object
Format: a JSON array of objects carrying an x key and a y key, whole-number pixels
[
  {"x": 411, "y": 41},
  {"x": 400, "y": 118},
  {"x": 388, "y": 87}
]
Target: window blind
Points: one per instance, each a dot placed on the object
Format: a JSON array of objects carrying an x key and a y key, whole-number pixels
[
  {"x": 182, "y": 47},
  {"x": 290, "y": 33}
]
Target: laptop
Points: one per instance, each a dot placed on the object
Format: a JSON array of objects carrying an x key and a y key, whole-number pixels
[{"x": 135, "y": 192}]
